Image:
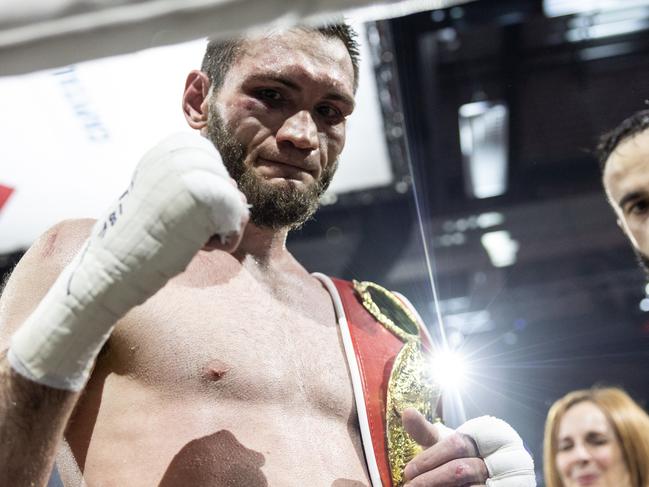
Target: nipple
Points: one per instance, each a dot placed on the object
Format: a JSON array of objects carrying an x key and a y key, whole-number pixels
[{"x": 215, "y": 370}]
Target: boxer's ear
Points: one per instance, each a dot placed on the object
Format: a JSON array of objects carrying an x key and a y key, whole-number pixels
[{"x": 195, "y": 104}]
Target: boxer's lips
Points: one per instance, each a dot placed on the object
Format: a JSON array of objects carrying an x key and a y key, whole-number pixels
[{"x": 284, "y": 169}]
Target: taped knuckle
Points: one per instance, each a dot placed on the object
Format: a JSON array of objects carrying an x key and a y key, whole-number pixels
[
  {"x": 518, "y": 481},
  {"x": 180, "y": 154},
  {"x": 490, "y": 434},
  {"x": 210, "y": 188},
  {"x": 511, "y": 462},
  {"x": 189, "y": 150},
  {"x": 206, "y": 188}
]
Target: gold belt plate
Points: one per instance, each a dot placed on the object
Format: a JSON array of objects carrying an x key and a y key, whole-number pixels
[{"x": 411, "y": 384}]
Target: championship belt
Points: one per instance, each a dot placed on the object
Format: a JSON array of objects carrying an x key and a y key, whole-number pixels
[{"x": 388, "y": 351}]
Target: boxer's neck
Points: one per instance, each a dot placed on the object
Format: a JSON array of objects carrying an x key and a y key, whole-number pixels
[{"x": 262, "y": 245}]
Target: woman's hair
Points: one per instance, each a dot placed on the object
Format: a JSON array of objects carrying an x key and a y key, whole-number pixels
[{"x": 628, "y": 420}]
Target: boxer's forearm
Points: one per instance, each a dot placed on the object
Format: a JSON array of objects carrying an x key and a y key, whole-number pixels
[{"x": 32, "y": 421}]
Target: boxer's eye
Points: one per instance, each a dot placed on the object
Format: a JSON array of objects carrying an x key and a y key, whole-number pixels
[
  {"x": 268, "y": 94},
  {"x": 637, "y": 207},
  {"x": 330, "y": 113}
]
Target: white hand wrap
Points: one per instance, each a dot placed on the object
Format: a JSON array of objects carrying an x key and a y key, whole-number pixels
[
  {"x": 180, "y": 196},
  {"x": 502, "y": 450}
]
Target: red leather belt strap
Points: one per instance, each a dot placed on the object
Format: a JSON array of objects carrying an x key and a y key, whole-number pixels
[{"x": 376, "y": 348}]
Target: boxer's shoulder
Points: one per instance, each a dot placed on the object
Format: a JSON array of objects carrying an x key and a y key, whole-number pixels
[
  {"x": 38, "y": 269},
  {"x": 55, "y": 248},
  {"x": 58, "y": 244}
]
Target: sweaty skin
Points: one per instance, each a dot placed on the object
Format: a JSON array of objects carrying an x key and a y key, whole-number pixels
[{"x": 234, "y": 372}]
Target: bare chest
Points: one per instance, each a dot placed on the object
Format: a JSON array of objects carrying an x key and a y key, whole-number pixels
[{"x": 237, "y": 342}]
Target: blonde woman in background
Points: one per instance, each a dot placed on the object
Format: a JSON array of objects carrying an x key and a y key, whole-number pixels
[{"x": 598, "y": 438}]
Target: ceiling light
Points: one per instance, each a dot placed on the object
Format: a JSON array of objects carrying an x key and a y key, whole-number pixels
[
  {"x": 557, "y": 8},
  {"x": 490, "y": 219},
  {"x": 599, "y": 31},
  {"x": 484, "y": 145},
  {"x": 500, "y": 247},
  {"x": 644, "y": 304}
]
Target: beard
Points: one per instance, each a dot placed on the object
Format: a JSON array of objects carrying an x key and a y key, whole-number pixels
[
  {"x": 643, "y": 261},
  {"x": 273, "y": 206}
]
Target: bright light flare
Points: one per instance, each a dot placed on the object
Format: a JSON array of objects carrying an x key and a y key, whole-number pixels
[{"x": 450, "y": 369}]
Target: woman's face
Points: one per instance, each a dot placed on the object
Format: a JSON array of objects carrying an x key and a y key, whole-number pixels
[{"x": 588, "y": 451}]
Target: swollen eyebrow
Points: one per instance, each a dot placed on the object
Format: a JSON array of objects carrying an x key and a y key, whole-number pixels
[{"x": 276, "y": 79}]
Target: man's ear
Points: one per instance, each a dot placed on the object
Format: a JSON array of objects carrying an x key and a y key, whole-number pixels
[{"x": 195, "y": 106}]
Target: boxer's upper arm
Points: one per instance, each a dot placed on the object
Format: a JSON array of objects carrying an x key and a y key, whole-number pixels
[{"x": 36, "y": 272}]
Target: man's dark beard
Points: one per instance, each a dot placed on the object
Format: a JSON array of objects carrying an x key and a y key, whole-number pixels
[
  {"x": 273, "y": 206},
  {"x": 643, "y": 261}
]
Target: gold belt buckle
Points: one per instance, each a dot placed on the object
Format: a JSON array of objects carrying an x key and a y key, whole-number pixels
[{"x": 411, "y": 384}]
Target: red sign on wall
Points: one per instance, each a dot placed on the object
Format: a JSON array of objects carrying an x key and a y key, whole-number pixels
[{"x": 5, "y": 193}]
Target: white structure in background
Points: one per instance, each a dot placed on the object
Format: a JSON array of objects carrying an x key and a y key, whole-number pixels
[
  {"x": 484, "y": 144},
  {"x": 500, "y": 247},
  {"x": 40, "y": 34},
  {"x": 597, "y": 19},
  {"x": 557, "y": 8}
]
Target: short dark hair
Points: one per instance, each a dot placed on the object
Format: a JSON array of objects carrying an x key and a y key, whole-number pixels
[
  {"x": 636, "y": 123},
  {"x": 222, "y": 53},
  {"x": 631, "y": 126}
]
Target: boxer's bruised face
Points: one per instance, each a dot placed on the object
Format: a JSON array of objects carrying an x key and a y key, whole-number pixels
[
  {"x": 279, "y": 122},
  {"x": 626, "y": 182}
]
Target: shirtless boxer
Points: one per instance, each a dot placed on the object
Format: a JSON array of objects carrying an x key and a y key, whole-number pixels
[
  {"x": 624, "y": 156},
  {"x": 233, "y": 372}
]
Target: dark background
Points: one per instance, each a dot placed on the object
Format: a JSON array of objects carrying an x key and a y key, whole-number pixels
[{"x": 566, "y": 315}]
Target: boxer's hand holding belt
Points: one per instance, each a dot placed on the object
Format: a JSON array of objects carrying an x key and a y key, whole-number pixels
[
  {"x": 181, "y": 196},
  {"x": 483, "y": 451}
]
